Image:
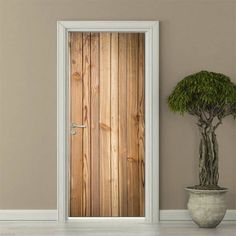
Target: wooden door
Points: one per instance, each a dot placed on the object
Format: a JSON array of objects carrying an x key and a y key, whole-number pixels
[{"x": 107, "y": 97}]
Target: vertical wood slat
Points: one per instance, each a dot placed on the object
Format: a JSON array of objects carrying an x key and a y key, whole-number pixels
[
  {"x": 76, "y": 147},
  {"x": 95, "y": 162},
  {"x": 86, "y": 122},
  {"x": 122, "y": 125},
  {"x": 105, "y": 126},
  {"x": 141, "y": 58},
  {"x": 132, "y": 125},
  {"x": 114, "y": 126}
]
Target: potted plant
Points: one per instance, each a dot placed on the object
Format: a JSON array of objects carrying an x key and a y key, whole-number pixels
[{"x": 209, "y": 97}]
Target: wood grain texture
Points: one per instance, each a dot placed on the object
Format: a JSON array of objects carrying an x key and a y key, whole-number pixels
[
  {"x": 114, "y": 126},
  {"x": 107, "y": 95},
  {"x": 123, "y": 200},
  {"x": 95, "y": 161},
  {"x": 86, "y": 122},
  {"x": 105, "y": 125},
  {"x": 76, "y": 145},
  {"x": 141, "y": 114},
  {"x": 132, "y": 125}
]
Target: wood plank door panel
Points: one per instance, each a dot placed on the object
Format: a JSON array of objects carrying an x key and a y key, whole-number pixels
[
  {"x": 107, "y": 97},
  {"x": 76, "y": 116},
  {"x": 95, "y": 126},
  {"x": 86, "y": 163},
  {"x": 105, "y": 125},
  {"x": 132, "y": 125},
  {"x": 123, "y": 196}
]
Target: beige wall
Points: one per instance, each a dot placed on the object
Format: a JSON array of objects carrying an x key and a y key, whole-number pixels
[{"x": 194, "y": 35}]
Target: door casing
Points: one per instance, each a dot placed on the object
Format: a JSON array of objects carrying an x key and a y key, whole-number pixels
[{"x": 151, "y": 30}]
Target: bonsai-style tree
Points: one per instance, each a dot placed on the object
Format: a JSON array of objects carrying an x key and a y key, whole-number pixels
[{"x": 209, "y": 97}]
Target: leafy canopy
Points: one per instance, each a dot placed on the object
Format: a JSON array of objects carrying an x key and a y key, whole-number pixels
[{"x": 208, "y": 92}]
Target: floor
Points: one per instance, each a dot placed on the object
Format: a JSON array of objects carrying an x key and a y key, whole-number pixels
[{"x": 111, "y": 229}]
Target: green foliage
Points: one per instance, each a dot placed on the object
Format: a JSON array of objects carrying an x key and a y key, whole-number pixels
[{"x": 209, "y": 92}]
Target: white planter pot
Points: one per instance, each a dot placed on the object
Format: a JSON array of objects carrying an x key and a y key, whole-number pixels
[{"x": 207, "y": 207}]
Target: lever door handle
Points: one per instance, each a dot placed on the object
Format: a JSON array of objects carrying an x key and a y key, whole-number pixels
[{"x": 74, "y": 125}]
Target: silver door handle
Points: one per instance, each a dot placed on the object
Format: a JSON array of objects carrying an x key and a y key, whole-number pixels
[{"x": 74, "y": 125}]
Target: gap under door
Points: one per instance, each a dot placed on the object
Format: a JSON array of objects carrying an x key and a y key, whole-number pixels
[{"x": 107, "y": 124}]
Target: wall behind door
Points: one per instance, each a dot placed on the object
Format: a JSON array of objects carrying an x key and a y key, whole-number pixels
[{"x": 194, "y": 35}]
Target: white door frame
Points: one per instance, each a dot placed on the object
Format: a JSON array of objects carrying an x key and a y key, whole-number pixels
[{"x": 151, "y": 30}]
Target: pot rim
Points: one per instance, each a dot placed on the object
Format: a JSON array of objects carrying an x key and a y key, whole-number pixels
[{"x": 192, "y": 190}]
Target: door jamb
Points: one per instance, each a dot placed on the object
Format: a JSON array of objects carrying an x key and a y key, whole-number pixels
[{"x": 151, "y": 30}]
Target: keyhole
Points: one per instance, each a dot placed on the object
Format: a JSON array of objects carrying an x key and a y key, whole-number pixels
[{"x": 73, "y": 132}]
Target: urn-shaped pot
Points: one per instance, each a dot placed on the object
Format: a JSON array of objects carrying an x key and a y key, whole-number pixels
[{"x": 207, "y": 207}]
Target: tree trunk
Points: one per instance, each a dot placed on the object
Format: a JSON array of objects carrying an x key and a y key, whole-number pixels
[{"x": 208, "y": 161}]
